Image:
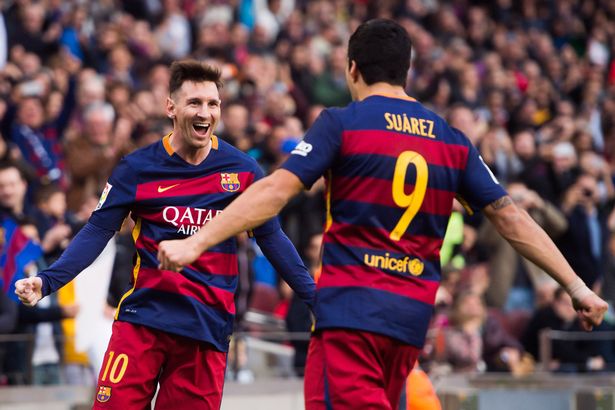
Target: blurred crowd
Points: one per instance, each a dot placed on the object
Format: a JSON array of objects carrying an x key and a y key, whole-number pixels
[{"x": 530, "y": 82}]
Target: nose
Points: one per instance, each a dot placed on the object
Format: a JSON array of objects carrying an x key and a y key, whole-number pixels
[{"x": 204, "y": 112}]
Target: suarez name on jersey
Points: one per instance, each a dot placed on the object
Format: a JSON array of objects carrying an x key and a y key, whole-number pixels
[{"x": 392, "y": 170}]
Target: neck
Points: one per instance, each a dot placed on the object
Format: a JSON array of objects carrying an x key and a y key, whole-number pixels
[
  {"x": 18, "y": 209},
  {"x": 189, "y": 154},
  {"x": 387, "y": 89}
]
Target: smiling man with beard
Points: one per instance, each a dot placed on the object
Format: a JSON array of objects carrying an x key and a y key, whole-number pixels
[{"x": 173, "y": 326}]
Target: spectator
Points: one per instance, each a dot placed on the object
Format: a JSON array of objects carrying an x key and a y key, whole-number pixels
[
  {"x": 30, "y": 32},
  {"x": 43, "y": 323},
  {"x": 13, "y": 203},
  {"x": 91, "y": 157},
  {"x": 8, "y": 321},
  {"x": 173, "y": 33},
  {"x": 236, "y": 120},
  {"x": 53, "y": 222},
  {"x": 585, "y": 241},
  {"x": 13, "y": 189},
  {"x": 532, "y": 86},
  {"x": 463, "y": 340},
  {"x": 39, "y": 138},
  {"x": 566, "y": 355},
  {"x": 516, "y": 283}
]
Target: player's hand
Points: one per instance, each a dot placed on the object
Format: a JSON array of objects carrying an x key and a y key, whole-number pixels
[
  {"x": 590, "y": 310},
  {"x": 29, "y": 290},
  {"x": 174, "y": 255}
]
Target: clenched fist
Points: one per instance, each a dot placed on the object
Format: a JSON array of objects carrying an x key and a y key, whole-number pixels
[{"x": 29, "y": 290}]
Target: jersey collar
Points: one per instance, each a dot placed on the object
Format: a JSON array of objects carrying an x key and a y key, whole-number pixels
[{"x": 166, "y": 142}]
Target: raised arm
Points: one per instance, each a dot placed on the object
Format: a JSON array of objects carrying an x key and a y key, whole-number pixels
[{"x": 531, "y": 241}]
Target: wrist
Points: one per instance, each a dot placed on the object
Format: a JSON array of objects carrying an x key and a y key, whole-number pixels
[
  {"x": 45, "y": 288},
  {"x": 578, "y": 290},
  {"x": 200, "y": 243}
]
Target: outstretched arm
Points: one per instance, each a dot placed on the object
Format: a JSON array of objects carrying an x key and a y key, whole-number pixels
[
  {"x": 82, "y": 251},
  {"x": 280, "y": 251},
  {"x": 259, "y": 203},
  {"x": 531, "y": 241}
]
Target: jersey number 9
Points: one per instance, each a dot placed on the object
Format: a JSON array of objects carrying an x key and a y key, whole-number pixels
[{"x": 413, "y": 201}]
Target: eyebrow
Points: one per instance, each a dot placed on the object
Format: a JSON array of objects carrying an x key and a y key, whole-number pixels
[{"x": 198, "y": 99}]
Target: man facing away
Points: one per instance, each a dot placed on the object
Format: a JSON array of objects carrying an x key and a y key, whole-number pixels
[
  {"x": 173, "y": 327},
  {"x": 392, "y": 169}
]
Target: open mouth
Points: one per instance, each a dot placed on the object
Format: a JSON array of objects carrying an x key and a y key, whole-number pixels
[{"x": 201, "y": 128}]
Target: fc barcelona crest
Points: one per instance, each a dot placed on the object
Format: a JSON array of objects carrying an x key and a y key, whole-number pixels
[
  {"x": 230, "y": 182},
  {"x": 104, "y": 394}
]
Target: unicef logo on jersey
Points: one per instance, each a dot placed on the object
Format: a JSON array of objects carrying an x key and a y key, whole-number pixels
[
  {"x": 414, "y": 266},
  {"x": 303, "y": 149}
]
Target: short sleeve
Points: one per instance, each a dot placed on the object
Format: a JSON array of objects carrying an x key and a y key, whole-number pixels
[
  {"x": 317, "y": 151},
  {"x": 117, "y": 198},
  {"x": 478, "y": 186}
]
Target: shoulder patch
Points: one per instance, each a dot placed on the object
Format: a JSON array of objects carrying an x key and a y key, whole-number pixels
[
  {"x": 303, "y": 149},
  {"x": 103, "y": 196}
]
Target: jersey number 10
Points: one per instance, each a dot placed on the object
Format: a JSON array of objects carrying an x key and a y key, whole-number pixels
[{"x": 117, "y": 370}]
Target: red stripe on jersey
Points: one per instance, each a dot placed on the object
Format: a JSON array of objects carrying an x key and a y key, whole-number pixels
[
  {"x": 216, "y": 263},
  {"x": 173, "y": 282},
  {"x": 143, "y": 242},
  {"x": 379, "y": 191},
  {"x": 392, "y": 144},
  {"x": 211, "y": 262},
  {"x": 424, "y": 247},
  {"x": 209, "y": 184},
  {"x": 363, "y": 276}
]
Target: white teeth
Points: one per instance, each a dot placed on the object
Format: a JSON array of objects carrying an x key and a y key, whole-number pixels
[{"x": 201, "y": 127}]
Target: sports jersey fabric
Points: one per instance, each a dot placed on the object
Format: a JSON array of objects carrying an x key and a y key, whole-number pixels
[
  {"x": 169, "y": 198},
  {"x": 392, "y": 169}
]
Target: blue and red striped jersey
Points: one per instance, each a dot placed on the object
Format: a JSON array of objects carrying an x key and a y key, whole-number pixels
[
  {"x": 169, "y": 198},
  {"x": 392, "y": 169}
]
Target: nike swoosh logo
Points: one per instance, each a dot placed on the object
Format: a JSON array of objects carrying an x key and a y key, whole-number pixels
[{"x": 166, "y": 188}]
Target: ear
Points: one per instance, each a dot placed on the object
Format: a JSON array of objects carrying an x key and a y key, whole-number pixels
[
  {"x": 353, "y": 71},
  {"x": 170, "y": 109}
]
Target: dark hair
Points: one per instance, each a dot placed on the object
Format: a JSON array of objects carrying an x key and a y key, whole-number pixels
[
  {"x": 45, "y": 192},
  {"x": 8, "y": 164},
  {"x": 192, "y": 70},
  {"x": 381, "y": 49},
  {"x": 23, "y": 220}
]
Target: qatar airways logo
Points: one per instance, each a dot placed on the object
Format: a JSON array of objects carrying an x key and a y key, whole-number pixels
[{"x": 188, "y": 220}]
